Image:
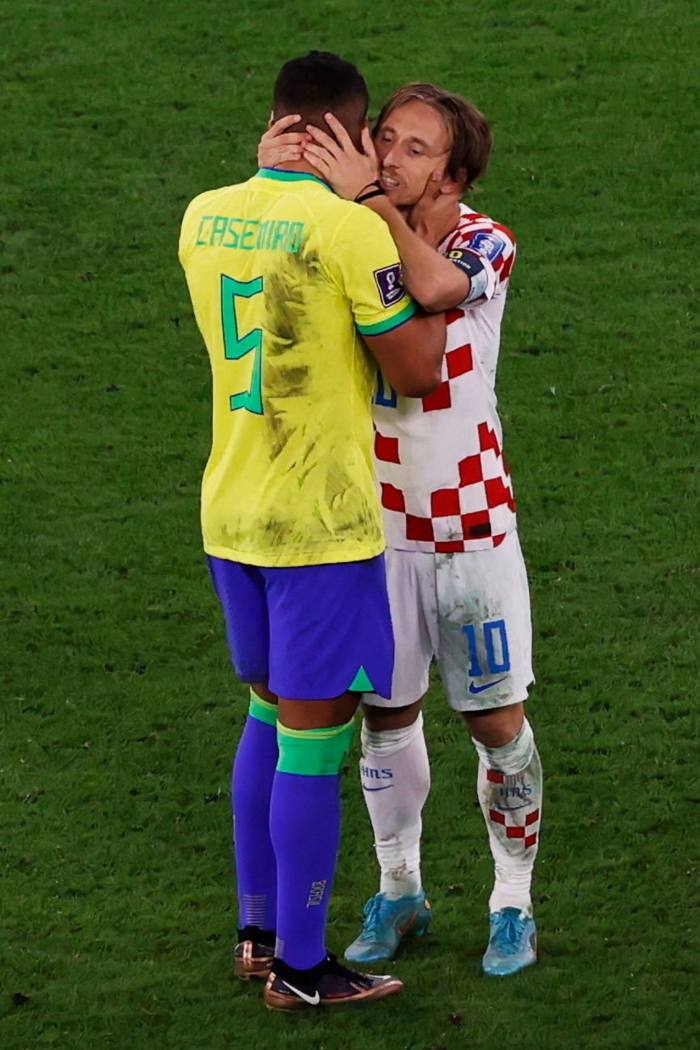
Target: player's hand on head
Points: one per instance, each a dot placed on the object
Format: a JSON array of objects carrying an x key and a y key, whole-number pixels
[
  {"x": 346, "y": 168},
  {"x": 278, "y": 145}
]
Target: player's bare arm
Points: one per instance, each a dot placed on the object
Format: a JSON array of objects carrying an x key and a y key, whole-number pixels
[
  {"x": 410, "y": 357},
  {"x": 430, "y": 278}
]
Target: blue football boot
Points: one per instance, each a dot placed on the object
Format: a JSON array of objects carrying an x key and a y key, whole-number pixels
[
  {"x": 386, "y": 923},
  {"x": 512, "y": 943}
]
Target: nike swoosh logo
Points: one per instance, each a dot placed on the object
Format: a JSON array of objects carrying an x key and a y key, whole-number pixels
[
  {"x": 385, "y": 788},
  {"x": 482, "y": 688},
  {"x": 511, "y": 809},
  {"x": 312, "y": 1000},
  {"x": 403, "y": 930}
]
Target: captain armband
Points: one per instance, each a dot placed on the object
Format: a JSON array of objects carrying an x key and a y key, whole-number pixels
[{"x": 470, "y": 263}]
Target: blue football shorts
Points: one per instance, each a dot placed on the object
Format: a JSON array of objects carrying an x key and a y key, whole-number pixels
[{"x": 310, "y": 632}]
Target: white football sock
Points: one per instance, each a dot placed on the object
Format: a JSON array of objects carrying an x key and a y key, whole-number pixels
[
  {"x": 510, "y": 795},
  {"x": 395, "y": 777}
]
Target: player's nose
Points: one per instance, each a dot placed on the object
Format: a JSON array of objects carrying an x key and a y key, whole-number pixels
[
  {"x": 390, "y": 171},
  {"x": 390, "y": 157}
]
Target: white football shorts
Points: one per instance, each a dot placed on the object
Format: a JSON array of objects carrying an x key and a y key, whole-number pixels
[{"x": 471, "y": 613}]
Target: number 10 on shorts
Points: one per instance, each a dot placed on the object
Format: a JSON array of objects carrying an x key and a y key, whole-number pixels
[{"x": 494, "y": 648}]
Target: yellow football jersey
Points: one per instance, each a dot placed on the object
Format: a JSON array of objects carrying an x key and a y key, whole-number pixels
[{"x": 284, "y": 278}]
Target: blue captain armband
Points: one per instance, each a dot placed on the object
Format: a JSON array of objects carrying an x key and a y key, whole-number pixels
[{"x": 469, "y": 262}]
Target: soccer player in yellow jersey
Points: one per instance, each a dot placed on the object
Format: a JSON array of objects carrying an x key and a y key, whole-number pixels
[{"x": 291, "y": 286}]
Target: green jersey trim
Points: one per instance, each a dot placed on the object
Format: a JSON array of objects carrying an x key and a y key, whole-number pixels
[
  {"x": 281, "y": 175},
  {"x": 391, "y": 322}
]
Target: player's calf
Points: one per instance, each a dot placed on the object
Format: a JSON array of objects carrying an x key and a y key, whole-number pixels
[
  {"x": 395, "y": 777},
  {"x": 510, "y": 795}
]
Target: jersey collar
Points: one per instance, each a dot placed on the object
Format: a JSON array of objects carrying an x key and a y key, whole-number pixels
[{"x": 283, "y": 175}]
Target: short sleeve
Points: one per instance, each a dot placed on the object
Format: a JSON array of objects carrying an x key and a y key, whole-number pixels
[
  {"x": 486, "y": 251},
  {"x": 364, "y": 263}
]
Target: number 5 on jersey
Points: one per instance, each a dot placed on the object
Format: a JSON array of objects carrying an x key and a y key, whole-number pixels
[{"x": 237, "y": 346}]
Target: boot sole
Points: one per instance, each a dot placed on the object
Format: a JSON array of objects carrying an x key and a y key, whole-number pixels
[{"x": 278, "y": 1001}]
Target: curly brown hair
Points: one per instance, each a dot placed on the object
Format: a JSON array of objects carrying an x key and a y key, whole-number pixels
[{"x": 469, "y": 130}]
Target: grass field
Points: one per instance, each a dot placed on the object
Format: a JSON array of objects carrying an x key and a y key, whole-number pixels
[{"x": 119, "y": 712}]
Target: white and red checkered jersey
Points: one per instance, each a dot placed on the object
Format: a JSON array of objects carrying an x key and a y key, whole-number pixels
[{"x": 445, "y": 484}]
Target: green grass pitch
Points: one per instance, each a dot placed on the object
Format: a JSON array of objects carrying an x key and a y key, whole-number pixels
[{"x": 119, "y": 712}]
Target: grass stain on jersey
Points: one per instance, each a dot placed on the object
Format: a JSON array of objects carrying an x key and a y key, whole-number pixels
[{"x": 287, "y": 372}]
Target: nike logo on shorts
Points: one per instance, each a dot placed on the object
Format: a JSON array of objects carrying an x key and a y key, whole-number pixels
[
  {"x": 482, "y": 688},
  {"x": 312, "y": 1000}
]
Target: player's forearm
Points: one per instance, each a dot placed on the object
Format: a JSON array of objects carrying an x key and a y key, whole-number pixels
[
  {"x": 434, "y": 345},
  {"x": 410, "y": 357},
  {"x": 430, "y": 278}
]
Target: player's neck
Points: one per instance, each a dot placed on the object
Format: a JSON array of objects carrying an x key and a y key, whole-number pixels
[{"x": 301, "y": 166}]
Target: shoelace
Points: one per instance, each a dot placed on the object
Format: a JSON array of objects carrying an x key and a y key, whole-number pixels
[
  {"x": 508, "y": 934},
  {"x": 338, "y": 970},
  {"x": 372, "y": 922}
]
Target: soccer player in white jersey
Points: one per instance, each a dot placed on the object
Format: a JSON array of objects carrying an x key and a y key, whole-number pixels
[{"x": 457, "y": 582}]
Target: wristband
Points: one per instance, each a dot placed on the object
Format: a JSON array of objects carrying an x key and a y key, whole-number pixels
[
  {"x": 373, "y": 190},
  {"x": 368, "y": 186}
]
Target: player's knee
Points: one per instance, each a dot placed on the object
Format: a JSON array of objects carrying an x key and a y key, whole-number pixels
[
  {"x": 378, "y": 747},
  {"x": 313, "y": 752},
  {"x": 260, "y": 689},
  {"x": 381, "y": 719},
  {"x": 317, "y": 714},
  {"x": 397, "y": 757},
  {"x": 514, "y": 757},
  {"x": 496, "y": 726}
]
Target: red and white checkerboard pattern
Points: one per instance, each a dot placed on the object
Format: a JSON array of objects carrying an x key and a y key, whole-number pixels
[
  {"x": 469, "y": 509},
  {"x": 475, "y": 222},
  {"x": 527, "y": 827},
  {"x": 445, "y": 484}
]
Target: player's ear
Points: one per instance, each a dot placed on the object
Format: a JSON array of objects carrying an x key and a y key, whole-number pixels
[
  {"x": 454, "y": 187},
  {"x": 439, "y": 174}
]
